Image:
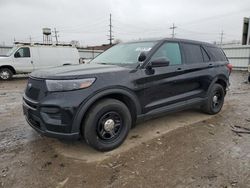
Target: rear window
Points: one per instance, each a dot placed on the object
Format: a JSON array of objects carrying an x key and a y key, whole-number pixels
[
  {"x": 217, "y": 53},
  {"x": 193, "y": 53}
]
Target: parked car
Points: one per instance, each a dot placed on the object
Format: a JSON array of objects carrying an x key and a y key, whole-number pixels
[
  {"x": 27, "y": 58},
  {"x": 102, "y": 100}
]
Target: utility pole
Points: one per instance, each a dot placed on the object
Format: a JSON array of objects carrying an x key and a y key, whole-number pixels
[
  {"x": 221, "y": 37},
  {"x": 111, "y": 37},
  {"x": 56, "y": 35},
  {"x": 173, "y": 30}
]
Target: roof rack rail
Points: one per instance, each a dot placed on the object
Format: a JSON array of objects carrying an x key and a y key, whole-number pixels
[{"x": 41, "y": 44}]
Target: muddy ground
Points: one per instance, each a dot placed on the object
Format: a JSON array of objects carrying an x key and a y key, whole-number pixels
[{"x": 186, "y": 149}]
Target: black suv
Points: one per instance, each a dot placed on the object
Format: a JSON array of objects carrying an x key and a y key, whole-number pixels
[{"x": 102, "y": 100}]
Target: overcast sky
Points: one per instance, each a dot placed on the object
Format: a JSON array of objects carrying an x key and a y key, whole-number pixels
[{"x": 87, "y": 20}]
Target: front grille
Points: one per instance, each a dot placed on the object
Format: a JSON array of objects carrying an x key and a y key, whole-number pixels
[
  {"x": 35, "y": 89},
  {"x": 33, "y": 120}
]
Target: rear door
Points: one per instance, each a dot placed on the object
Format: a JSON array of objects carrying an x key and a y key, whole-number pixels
[
  {"x": 22, "y": 60},
  {"x": 198, "y": 69}
]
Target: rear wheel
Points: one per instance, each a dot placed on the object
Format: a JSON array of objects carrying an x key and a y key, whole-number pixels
[
  {"x": 5, "y": 74},
  {"x": 107, "y": 124},
  {"x": 215, "y": 100}
]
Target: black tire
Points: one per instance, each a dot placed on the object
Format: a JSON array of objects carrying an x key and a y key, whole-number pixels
[
  {"x": 6, "y": 74},
  {"x": 249, "y": 78},
  {"x": 215, "y": 100},
  {"x": 107, "y": 124}
]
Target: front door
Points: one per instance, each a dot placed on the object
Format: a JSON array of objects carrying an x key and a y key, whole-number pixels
[
  {"x": 164, "y": 85},
  {"x": 22, "y": 60}
]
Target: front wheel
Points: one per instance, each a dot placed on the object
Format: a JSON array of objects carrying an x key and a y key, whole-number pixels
[
  {"x": 107, "y": 124},
  {"x": 215, "y": 100},
  {"x": 6, "y": 74}
]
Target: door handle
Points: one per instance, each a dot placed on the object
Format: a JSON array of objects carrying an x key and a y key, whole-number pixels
[
  {"x": 210, "y": 65},
  {"x": 179, "y": 69},
  {"x": 31, "y": 62}
]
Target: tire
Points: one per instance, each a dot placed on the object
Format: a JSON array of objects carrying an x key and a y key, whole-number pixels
[
  {"x": 215, "y": 100},
  {"x": 107, "y": 124},
  {"x": 6, "y": 74},
  {"x": 249, "y": 78}
]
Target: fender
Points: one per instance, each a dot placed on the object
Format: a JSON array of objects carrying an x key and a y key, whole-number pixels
[
  {"x": 98, "y": 95},
  {"x": 219, "y": 77}
]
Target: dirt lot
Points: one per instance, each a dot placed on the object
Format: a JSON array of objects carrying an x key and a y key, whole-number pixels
[{"x": 187, "y": 149}]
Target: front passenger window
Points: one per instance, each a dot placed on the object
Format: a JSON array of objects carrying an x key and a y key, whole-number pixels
[
  {"x": 22, "y": 52},
  {"x": 169, "y": 51}
]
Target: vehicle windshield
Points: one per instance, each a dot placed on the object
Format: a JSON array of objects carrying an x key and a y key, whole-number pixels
[
  {"x": 126, "y": 53},
  {"x": 11, "y": 51}
]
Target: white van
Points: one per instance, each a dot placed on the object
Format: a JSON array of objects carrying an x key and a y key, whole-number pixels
[{"x": 27, "y": 58}]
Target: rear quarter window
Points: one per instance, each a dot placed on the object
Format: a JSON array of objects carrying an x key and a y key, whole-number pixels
[{"x": 217, "y": 53}]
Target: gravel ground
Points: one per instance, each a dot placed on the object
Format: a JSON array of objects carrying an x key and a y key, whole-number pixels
[{"x": 206, "y": 153}]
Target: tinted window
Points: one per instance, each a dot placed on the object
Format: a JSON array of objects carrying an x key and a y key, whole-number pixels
[
  {"x": 169, "y": 51},
  {"x": 23, "y": 52},
  {"x": 205, "y": 55},
  {"x": 217, "y": 54},
  {"x": 192, "y": 53}
]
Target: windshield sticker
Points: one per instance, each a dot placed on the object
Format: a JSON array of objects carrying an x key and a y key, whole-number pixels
[{"x": 143, "y": 49}]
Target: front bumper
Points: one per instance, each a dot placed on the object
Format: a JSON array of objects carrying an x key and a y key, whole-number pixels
[{"x": 44, "y": 124}]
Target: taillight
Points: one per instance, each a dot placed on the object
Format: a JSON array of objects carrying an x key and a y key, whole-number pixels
[{"x": 230, "y": 67}]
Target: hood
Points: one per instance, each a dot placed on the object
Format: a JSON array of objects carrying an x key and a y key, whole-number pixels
[
  {"x": 76, "y": 71},
  {"x": 4, "y": 59}
]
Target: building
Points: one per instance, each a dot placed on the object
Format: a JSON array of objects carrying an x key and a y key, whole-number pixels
[
  {"x": 238, "y": 56},
  {"x": 4, "y": 49}
]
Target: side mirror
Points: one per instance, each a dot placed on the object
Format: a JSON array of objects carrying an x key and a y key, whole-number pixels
[
  {"x": 81, "y": 61},
  {"x": 142, "y": 57},
  {"x": 161, "y": 62},
  {"x": 17, "y": 55}
]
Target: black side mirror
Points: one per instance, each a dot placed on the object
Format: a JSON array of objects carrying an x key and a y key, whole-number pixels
[
  {"x": 17, "y": 55},
  {"x": 161, "y": 62},
  {"x": 142, "y": 57}
]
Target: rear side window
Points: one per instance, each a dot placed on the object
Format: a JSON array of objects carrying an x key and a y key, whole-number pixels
[
  {"x": 193, "y": 53},
  {"x": 217, "y": 53},
  {"x": 170, "y": 51},
  {"x": 206, "y": 58}
]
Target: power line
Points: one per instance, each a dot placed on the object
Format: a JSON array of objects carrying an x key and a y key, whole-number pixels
[
  {"x": 173, "y": 30},
  {"x": 79, "y": 26},
  {"x": 218, "y": 16}
]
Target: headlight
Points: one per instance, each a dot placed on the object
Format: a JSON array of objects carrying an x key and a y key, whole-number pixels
[{"x": 69, "y": 85}]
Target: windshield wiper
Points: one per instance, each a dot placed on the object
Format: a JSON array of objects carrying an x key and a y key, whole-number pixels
[{"x": 104, "y": 63}]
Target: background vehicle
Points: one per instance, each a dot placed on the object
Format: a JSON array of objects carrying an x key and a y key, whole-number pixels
[
  {"x": 27, "y": 58},
  {"x": 100, "y": 101}
]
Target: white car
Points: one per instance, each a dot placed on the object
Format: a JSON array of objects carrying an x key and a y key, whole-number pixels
[{"x": 27, "y": 58}]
